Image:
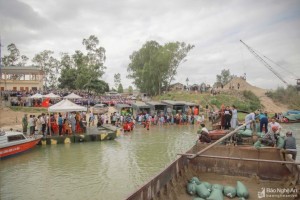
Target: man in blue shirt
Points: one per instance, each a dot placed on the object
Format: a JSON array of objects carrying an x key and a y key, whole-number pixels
[{"x": 60, "y": 124}]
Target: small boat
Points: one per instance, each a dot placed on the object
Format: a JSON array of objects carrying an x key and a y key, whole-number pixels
[
  {"x": 217, "y": 134},
  {"x": 14, "y": 142}
]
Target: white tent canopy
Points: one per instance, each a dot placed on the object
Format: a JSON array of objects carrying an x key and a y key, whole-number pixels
[
  {"x": 72, "y": 96},
  {"x": 66, "y": 106},
  {"x": 36, "y": 96},
  {"x": 51, "y": 96}
]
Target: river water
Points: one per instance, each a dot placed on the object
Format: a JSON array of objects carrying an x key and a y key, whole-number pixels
[{"x": 97, "y": 170}]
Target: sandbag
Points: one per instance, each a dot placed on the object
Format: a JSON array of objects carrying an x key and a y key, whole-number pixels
[
  {"x": 195, "y": 180},
  {"x": 207, "y": 185},
  {"x": 216, "y": 194},
  {"x": 246, "y": 133},
  {"x": 260, "y": 134},
  {"x": 191, "y": 188},
  {"x": 202, "y": 191},
  {"x": 280, "y": 142},
  {"x": 257, "y": 144},
  {"x": 229, "y": 191},
  {"x": 241, "y": 190},
  {"x": 217, "y": 186}
]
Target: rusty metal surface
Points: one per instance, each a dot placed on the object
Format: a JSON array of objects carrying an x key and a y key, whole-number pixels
[
  {"x": 150, "y": 189},
  {"x": 270, "y": 171}
]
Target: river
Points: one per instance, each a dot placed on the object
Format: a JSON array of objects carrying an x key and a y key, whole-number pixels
[{"x": 97, "y": 170}]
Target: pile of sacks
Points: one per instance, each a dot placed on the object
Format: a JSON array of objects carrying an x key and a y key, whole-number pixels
[{"x": 204, "y": 190}]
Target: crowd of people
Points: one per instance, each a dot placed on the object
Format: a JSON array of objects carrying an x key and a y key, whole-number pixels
[{"x": 268, "y": 126}]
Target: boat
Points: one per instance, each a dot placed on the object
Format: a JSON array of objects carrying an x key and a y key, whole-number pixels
[
  {"x": 260, "y": 169},
  {"x": 14, "y": 142},
  {"x": 217, "y": 134}
]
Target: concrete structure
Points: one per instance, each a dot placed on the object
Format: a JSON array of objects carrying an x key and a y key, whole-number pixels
[{"x": 21, "y": 78}]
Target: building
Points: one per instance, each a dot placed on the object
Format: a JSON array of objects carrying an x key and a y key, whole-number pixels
[
  {"x": 177, "y": 87},
  {"x": 19, "y": 78}
]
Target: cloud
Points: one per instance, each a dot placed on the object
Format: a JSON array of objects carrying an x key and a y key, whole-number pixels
[{"x": 123, "y": 26}]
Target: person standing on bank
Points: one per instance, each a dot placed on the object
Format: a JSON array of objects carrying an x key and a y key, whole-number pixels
[
  {"x": 60, "y": 124},
  {"x": 234, "y": 118},
  {"x": 263, "y": 120},
  {"x": 289, "y": 146},
  {"x": 24, "y": 124}
]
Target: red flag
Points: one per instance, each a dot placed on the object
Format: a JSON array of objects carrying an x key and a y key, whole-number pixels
[{"x": 45, "y": 103}]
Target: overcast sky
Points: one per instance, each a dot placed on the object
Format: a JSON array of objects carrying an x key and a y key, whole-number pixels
[{"x": 123, "y": 26}]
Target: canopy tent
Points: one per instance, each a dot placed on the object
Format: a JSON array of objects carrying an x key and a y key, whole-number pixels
[
  {"x": 72, "y": 96},
  {"x": 66, "y": 106},
  {"x": 51, "y": 96},
  {"x": 36, "y": 96}
]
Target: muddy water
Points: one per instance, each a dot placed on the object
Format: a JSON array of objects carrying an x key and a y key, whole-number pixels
[{"x": 96, "y": 170}]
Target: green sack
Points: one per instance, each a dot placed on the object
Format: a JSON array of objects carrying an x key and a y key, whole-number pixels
[
  {"x": 216, "y": 194},
  {"x": 257, "y": 144},
  {"x": 202, "y": 191},
  {"x": 195, "y": 180},
  {"x": 191, "y": 188},
  {"x": 229, "y": 191},
  {"x": 260, "y": 134},
  {"x": 217, "y": 186},
  {"x": 247, "y": 133},
  {"x": 207, "y": 185},
  {"x": 198, "y": 198},
  {"x": 241, "y": 190},
  {"x": 280, "y": 142}
]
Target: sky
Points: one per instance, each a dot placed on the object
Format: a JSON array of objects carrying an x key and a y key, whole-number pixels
[{"x": 215, "y": 27}]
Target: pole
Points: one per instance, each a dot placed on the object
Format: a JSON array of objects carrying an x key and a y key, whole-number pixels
[
  {"x": 219, "y": 140},
  {"x": 245, "y": 159}
]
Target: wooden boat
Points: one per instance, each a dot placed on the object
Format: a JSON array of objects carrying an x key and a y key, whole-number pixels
[
  {"x": 13, "y": 142},
  {"x": 222, "y": 164},
  {"x": 217, "y": 134}
]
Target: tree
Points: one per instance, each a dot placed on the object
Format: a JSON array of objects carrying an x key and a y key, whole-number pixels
[
  {"x": 13, "y": 57},
  {"x": 49, "y": 65},
  {"x": 130, "y": 89},
  {"x": 153, "y": 67},
  {"x": 179, "y": 51},
  {"x": 120, "y": 88},
  {"x": 84, "y": 71},
  {"x": 225, "y": 77},
  {"x": 117, "y": 80}
]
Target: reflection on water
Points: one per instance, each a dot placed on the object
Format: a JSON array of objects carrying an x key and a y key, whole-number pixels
[{"x": 96, "y": 170}]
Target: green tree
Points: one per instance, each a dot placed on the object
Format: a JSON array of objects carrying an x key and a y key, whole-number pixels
[
  {"x": 14, "y": 56},
  {"x": 153, "y": 67},
  {"x": 50, "y": 65},
  {"x": 130, "y": 90},
  {"x": 224, "y": 77},
  {"x": 120, "y": 88},
  {"x": 117, "y": 80},
  {"x": 84, "y": 71},
  {"x": 178, "y": 51}
]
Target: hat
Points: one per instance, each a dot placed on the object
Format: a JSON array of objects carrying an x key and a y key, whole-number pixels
[{"x": 274, "y": 128}]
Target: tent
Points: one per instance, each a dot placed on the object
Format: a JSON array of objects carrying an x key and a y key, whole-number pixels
[
  {"x": 66, "y": 106},
  {"x": 36, "y": 96},
  {"x": 51, "y": 96},
  {"x": 72, "y": 96}
]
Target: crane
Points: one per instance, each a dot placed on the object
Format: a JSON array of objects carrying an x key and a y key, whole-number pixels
[{"x": 264, "y": 62}]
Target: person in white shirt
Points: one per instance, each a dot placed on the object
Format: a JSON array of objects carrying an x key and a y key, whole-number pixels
[
  {"x": 204, "y": 134},
  {"x": 234, "y": 118}
]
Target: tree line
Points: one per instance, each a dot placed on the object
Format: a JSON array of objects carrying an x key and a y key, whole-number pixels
[{"x": 151, "y": 68}]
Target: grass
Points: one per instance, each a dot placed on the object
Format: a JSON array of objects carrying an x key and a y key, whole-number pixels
[
  {"x": 28, "y": 109},
  {"x": 246, "y": 101}
]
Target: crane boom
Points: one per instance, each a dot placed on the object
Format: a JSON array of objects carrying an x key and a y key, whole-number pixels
[{"x": 264, "y": 62}]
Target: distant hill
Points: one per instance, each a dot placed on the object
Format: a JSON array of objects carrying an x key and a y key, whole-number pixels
[{"x": 268, "y": 103}]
